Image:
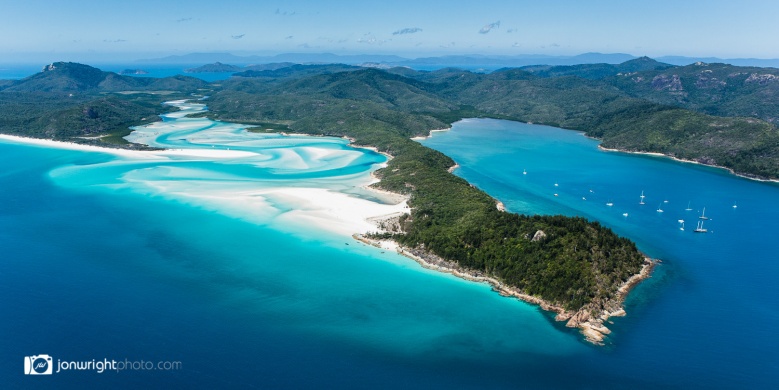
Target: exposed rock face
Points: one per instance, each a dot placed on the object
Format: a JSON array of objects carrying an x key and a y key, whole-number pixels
[
  {"x": 579, "y": 318},
  {"x": 666, "y": 82},
  {"x": 540, "y": 235},
  {"x": 761, "y": 79},
  {"x": 708, "y": 81}
]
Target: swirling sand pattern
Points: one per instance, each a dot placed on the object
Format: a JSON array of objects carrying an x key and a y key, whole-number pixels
[{"x": 286, "y": 181}]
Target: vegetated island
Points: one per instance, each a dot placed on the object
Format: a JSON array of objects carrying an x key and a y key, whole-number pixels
[
  {"x": 218, "y": 67},
  {"x": 577, "y": 268}
]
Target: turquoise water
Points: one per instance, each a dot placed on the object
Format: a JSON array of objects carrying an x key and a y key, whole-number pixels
[
  {"x": 107, "y": 256},
  {"x": 709, "y": 314}
]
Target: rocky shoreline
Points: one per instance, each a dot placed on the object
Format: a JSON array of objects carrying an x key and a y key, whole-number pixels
[{"x": 589, "y": 320}]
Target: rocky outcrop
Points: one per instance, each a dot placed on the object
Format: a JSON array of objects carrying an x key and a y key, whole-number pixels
[
  {"x": 761, "y": 79},
  {"x": 667, "y": 82}
]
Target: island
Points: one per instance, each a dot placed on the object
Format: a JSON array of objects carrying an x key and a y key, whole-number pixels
[
  {"x": 578, "y": 269},
  {"x": 216, "y": 67}
]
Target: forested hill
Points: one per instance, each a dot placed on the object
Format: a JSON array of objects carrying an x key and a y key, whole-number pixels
[
  {"x": 597, "y": 71},
  {"x": 69, "y": 77},
  {"x": 76, "y": 102},
  {"x": 711, "y": 113}
]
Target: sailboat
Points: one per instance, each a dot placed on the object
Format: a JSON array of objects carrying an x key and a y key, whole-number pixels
[
  {"x": 688, "y": 207},
  {"x": 681, "y": 227},
  {"x": 734, "y": 205},
  {"x": 703, "y": 215},
  {"x": 659, "y": 208},
  {"x": 610, "y": 203},
  {"x": 524, "y": 172},
  {"x": 700, "y": 228},
  {"x": 642, "y": 198}
]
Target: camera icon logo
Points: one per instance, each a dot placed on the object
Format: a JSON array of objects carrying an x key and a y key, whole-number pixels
[{"x": 37, "y": 365}]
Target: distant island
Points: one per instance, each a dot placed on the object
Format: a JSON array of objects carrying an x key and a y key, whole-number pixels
[
  {"x": 133, "y": 71},
  {"x": 715, "y": 114},
  {"x": 218, "y": 67},
  {"x": 465, "y": 60}
]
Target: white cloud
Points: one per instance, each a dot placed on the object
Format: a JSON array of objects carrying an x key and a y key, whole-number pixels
[
  {"x": 489, "y": 27},
  {"x": 370, "y": 39},
  {"x": 408, "y": 30},
  {"x": 284, "y": 13}
]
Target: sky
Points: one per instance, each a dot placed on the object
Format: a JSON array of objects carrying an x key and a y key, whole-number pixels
[{"x": 83, "y": 29}]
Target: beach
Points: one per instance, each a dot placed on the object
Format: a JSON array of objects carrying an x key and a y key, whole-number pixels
[{"x": 326, "y": 209}]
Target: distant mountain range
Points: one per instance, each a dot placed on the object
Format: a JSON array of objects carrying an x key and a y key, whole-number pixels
[{"x": 489, "y": 62}]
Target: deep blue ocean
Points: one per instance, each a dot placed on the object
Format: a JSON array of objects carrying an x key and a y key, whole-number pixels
[{"x": 90, "y": 269}]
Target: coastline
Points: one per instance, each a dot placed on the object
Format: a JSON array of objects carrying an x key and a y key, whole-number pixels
[
  {"x": 588, "y": 320},
  {"x": 681, "y": 160},
  {"x": 50, "y": 143},
  {"x": 430, "y": 134}
]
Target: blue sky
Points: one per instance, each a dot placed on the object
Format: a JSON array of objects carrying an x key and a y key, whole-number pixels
[{"x": 138, "y": 28}]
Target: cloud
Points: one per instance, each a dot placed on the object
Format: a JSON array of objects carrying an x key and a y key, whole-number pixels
[
  {"x": 289, "y": 37},
  {"x": 370, "y": 39},
  {"x": 511, "y": 30},
  {"x": 183, "y": 20},
  {"x": 237, "y": 36},
  {"x": 448, "y": 45},
  {"x": 408, "y": 30},
  {"x": 489, "y": 27},
  {"x": 114, "y": 40},
  {"x": 284, "y": 13}
]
